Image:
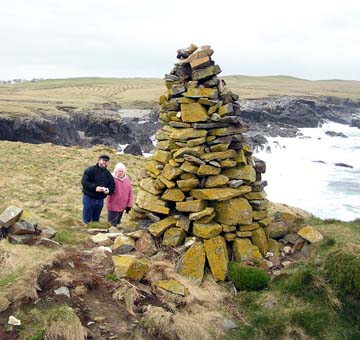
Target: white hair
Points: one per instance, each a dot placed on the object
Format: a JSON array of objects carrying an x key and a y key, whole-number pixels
[{"x": 119, "y": 166}]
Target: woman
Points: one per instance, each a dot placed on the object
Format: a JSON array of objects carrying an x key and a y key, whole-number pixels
[{"x": 122, "y": 197}]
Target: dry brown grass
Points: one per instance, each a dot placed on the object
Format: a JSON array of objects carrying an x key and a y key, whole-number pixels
[
  {"x": 68, "y": 326},
  {"x": 20, "y": 266},
  {"x": 198, "y": 315}
]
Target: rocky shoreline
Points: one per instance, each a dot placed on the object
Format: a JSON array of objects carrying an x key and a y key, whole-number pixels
[{"x": 274, "y": 116}]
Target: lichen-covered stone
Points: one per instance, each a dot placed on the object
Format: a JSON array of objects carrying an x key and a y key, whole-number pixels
[
  {"x": 161, "y": 156},
  {"x": 243, "y": 250},
  {"x": 147, "y": 184},
  {"x": 206, "y": 72},
  {"x": 259, "y": 215},
  {"x": 192, "y": 264},
  {"x": 198, "y": 215},
  {"x": 206, "y": 170},
  {"x": 158, "y": 228},
  {"x": 172, "y": 286},
  {"x": 218, "y": 155},
  {"x": 225, "y": 109},
  {"x": 195, "y": 141},
  {"x": 246, "y": 173},
  {"x": 310, "y": 234},
  {"x": 201, "y": 92},
  {"x": 241, "y": 158},
  {"x": 219, "y": 194},
  {"x": 206, "y": 231},
  {"x": 216, "y": 181},
  {"x": 188, "y": 167},
  {"x": 207, "y": 219},
  {"x": 243, "y": 234},
  {"x": 184, "y": 134},
  {"x": 146, "y": 245},
  {"x": 230, "y": 237},
  {"x": 123, "y": 244},
  {"x": 249, "y": 227},
  {"x": 152, "y": 166},
  {"x": 173, "y": 237},
  {"x": 196, "y": 151},
  {"x": 151, "y": 202},
  {"x": 130, "y": 267},
  {"x": 166, "y": 145},
  {"x": 166, "y": 182},
  {"x": 278, "y": 229},
  {"x": 183, "y": 222},
  {"x": 260, "y": 195},
  {"x": 259, "y": 239},
  {"x": 191, "y": 206},
  {"x": 188, "y": 184},
  {"x": 174, "y": 195},
  {"x": 171, "y": 172},
  {"x": 233, "y": 211},
  {"x": 217, "y": 256},
  {"x": 227, "y": 131}
]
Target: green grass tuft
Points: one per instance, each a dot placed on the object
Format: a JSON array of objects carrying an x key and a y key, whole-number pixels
[
  {"x": 247, "y": 278},
  {"x": 38, "y": 336},
  {"x": 343, "y": 270},
  {"x": 70, "y": 237},
  {"x": 10, "y": 278},
  {"x": 313, "y": 321},
  {"x": 111, "y": 277}
]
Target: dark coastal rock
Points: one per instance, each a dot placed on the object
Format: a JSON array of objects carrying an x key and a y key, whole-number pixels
[
  {"x": 335, "y": 134},
  {"x": 355, "y": 123},
  {"x": 344, "y": 165},
  {"x": 57, "y": 130},
  {"x": 133, "y": 149}
]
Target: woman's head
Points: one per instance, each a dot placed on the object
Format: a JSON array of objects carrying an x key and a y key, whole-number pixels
[{"x": 119, "y": 170}]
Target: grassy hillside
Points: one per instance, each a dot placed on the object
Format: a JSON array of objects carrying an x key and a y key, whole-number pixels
[{"x": 88, "y": 93}]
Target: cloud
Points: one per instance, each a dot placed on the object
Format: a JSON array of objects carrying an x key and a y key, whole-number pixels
[{"x": 116, "y": 38}]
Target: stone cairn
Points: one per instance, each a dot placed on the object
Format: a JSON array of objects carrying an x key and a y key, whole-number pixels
[
  {"x": 202, "y": 187},
  {"x": 18, "y": 230}
]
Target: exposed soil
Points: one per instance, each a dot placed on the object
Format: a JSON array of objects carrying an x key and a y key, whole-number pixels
[{"x": 91, "y": 294}]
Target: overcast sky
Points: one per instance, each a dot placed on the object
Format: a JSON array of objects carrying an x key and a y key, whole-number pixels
[{"x": 311, "y": 39}]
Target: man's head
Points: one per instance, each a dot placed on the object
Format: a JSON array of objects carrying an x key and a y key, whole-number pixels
[{"x": 103, "y": 161}]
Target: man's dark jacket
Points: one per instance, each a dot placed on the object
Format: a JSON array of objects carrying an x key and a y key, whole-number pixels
[{"x": 95, "y": 176}]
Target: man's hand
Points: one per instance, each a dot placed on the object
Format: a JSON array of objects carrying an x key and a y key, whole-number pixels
[{"x": 127, "y": 209}]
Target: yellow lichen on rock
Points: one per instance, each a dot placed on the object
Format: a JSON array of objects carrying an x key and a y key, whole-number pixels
[
  {"x": 130, "y": 267},
  {"x": 217, "y": 256}
]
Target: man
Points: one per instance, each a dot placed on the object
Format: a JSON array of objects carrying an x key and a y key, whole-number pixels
[{"x": 97, "y": 183}]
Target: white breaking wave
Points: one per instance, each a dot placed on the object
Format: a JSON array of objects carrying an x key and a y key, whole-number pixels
[{"x": 301, "y": 171}]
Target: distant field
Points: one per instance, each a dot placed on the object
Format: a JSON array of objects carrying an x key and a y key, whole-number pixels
[{"x": 28, "y": 99}]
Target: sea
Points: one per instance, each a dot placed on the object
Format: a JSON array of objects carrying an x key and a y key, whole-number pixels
[{"x": 302, "y": 171}]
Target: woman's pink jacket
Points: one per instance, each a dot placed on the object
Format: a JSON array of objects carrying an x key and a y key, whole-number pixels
[{"x": 122, "y": 196}]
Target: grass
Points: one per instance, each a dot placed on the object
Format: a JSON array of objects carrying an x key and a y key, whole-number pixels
[
  {"x": 53, "y": 322},
  {"x": 71, "y": 237},
  {"x": 47, "y": 178},
  {"x": 20, "y": 266},
  {"x": 317, "y": 300},
  {"x": 91, "y": 93},
  {"x": 8, "y": 279}
]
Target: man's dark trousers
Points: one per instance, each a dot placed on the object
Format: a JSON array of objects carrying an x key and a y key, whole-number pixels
[{"x": 92, "y": 208}]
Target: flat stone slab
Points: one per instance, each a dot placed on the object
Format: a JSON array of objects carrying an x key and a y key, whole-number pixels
[{"x": 9, "y": 216}]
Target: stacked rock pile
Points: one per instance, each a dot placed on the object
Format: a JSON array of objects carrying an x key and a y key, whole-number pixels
[
  {"x": 202, "y": 185},
  {"x": 21, "y": 231}
]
